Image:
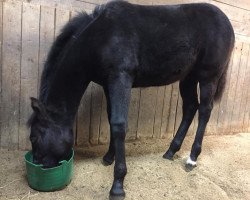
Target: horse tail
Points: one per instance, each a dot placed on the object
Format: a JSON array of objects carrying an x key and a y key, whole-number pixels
[{"x": 221, "y": 84}]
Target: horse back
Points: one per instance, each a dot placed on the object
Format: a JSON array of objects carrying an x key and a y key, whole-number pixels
[{"x": 159, "y": 45}]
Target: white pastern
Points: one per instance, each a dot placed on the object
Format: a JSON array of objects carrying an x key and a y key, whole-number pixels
[{"x": 191, "y": 162}]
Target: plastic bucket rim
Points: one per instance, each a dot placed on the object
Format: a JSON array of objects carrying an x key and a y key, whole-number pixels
[{"x": 40, "y": 166}]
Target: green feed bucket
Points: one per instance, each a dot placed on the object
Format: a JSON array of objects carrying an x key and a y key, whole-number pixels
[{"x": 51, "y": 179}]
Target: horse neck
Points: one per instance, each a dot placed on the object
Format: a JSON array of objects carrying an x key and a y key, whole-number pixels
[{"x": 64, "y": 94}]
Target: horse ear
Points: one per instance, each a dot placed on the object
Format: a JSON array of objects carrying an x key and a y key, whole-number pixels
[{"x": 38, "y": 107}]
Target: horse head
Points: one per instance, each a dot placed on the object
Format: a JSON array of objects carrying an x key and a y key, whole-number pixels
[{"x": 51, "y": 140}]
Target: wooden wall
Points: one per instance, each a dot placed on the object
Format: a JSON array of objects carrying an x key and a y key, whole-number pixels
[{"x": 27, "y": 29}]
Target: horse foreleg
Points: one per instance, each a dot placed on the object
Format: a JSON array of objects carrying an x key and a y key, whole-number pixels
[
  {"x": 188, "y": 91},
  {"x": 207, "y": 91},
  {"x": 109, "y": 157},
  {"x": 118, "y": 97}
]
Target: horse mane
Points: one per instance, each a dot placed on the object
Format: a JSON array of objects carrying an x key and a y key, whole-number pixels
[{"x": 69, "y": 33}]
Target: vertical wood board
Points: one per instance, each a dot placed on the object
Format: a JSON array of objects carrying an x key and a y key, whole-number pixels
[
  {"x": 178, "y": 114},
  {"x": 1, "y": 64},
  {"x": 159, "y": 111},
  {"x": 61, "y": 18},
  {"x": 147, "y": 112},
  {"x": 173, "y": 108},
  {"x": 236, "y": 123},
  {"x": 47, "y": 22},
  {"x": 223, "y": 112},
  {"x": 104, "y": 123},
  {"x": 11, "y": 55},
  {"x": 133, "y": 114},
  {"x": 96, "y": 109},
  {"x": 233, "y": 84},
  {"x": 246, "y": 122},
  {"x": 29, "y": 67},
  {"x": 84, "y": 118},
  {"x": 166, "y": 112}
]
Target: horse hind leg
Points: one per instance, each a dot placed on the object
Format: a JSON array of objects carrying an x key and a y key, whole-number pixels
[
  {"x": 207, "y": 94},
  {"x": 188, "y": 91}
]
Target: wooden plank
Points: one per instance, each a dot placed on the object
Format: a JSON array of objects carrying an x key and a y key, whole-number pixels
[
  {"x": 241, "y": 28},
  {"x": 171, "y": 2},
  {"x": 194, "y": 125},
  {"x": 173, "y": 109},
  {"x": 159, "y": 111},
  {"x": 178, "y": 115},
  {"x": 146, "y": 113},
  {"x": 244, "y": 4},
  {"x": 62, "y": 17},
  {"x": 240, "y": 18},
  {"x": 83, "y": 119},
  {"x": 133, "y": 114},
  {"x": 223, "y": 112},
  {"x": 233, "y": 13},
  {"x": 11, "y": 74},
  {"x": 166, "y": 112},
  {"x": 29, "y": 68},
  {"x": 246, "y": 121},
  {"x": 66, "y": 4},
  {"x": 244, "y": 88},
  {"x": 141, "y": 2},
  {"x": 242, "y": 38},
  {"x": 1, "y": 42},
  {"x": 236, "y": 120},
  {"x": 212, "y": 124},
  {"x": 104, "y": 135},
  {"x": 232, "y": 85},
  {"x": 96, "y": 109},
  {"x": 47, "y": 23}
]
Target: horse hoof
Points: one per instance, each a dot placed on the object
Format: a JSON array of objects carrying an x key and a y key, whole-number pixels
[
  {"x": 189, "y": 167},
  {"x": 106, "y": 161},
  {"x": 117, "y": 194},
  {"x": 114, "y": 197},
  {"x": 168, "y": 155}
]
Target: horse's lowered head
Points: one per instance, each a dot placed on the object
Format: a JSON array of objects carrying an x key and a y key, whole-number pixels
[{"x": 51, "y": 140}]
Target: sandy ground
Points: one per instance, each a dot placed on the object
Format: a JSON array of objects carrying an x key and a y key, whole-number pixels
[{"x": 223, "y": 172}]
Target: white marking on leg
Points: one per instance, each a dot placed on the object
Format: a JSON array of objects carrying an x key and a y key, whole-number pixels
[{"x": 191, "y": 162}]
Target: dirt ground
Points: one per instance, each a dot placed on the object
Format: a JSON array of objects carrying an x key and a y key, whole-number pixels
[{"x": 223, "y": 172}]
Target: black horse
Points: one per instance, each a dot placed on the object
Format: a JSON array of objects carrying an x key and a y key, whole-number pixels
[{"x": 121, "y": 46}]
